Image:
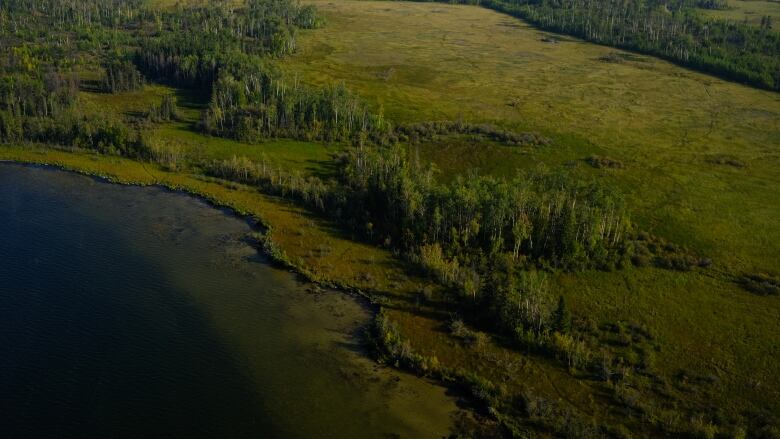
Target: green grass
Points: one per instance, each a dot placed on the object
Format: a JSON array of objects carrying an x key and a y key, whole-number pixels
[
  {"x": 291, "y": 155},
  {"x": 748, "y": 10}
]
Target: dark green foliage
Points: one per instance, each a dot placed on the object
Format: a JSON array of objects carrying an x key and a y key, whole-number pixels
[
  {"x": 561, "y": 319},
  {"x": 44, "y": 95},
  {"x": 121, "y": 76},
  {"x": 88, "y": 131},
  {"x": 544, "y": 217},
  {"x": 761, "y": 284}
]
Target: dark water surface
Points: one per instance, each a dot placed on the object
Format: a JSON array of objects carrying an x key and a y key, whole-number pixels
[{"x": 137, "y": 312}]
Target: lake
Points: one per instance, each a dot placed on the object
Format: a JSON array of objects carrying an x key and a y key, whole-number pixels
[{"x": 130, "y": 312}]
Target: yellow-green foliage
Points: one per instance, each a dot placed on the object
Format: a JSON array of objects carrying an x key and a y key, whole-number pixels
[{"x": 748, "y": 10}]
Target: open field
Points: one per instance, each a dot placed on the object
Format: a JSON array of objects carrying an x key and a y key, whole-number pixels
[
  {"x": 434, "y": 61},
  {"x": 700, "y": 161},
  {"x": 751, "y": 11}
]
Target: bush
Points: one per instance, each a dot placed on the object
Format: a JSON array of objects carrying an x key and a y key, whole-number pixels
[
  {"x": 164, "y": 112},
  {"x": 604, "y": 162},
  {"x": 761, "y": 284},
  {"x": 430, "y": 130}
]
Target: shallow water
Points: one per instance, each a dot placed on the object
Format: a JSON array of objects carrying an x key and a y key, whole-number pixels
[{"x": 138, "y": 312}]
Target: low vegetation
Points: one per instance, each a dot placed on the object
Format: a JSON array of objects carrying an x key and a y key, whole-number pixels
[{"x": 427, "y": 131}]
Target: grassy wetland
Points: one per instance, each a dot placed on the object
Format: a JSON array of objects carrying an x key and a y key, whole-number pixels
[
  {"x": 670, "y": 128},
  {"x": 655, "y": 310}
]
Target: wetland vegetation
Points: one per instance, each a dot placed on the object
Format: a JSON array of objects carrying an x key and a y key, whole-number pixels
[{"x": 584, "y": 240}]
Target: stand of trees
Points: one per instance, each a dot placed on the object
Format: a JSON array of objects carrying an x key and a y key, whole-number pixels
[
  {"x": 260, "y": 106},
  {"x": 121, "y": 76},
  {"x": 213, "y": 45},
  {"x": 42, "y": 95},
  {"x": 71, "y": 14},
  {"x": 542, "y": 218},
  {"x": 489, "y": 240}
]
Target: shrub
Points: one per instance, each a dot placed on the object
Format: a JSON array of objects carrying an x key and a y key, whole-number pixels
[
  {"x": 604, "y": 162},
  {"x": 430, "y": 130},
  {"x": 165, "y": 111},
  {"x": 761, "y": 284}
]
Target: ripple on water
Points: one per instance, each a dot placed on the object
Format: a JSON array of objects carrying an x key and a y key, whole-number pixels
[{"x": 132, "y": 312}]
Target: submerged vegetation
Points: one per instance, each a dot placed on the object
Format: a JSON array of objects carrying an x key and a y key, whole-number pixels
[{"x": 473, "y": 294}]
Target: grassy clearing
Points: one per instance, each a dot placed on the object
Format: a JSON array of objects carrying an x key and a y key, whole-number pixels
[
  {"x": 750, "y": 11},
  {"x": 291, "y": 155}
]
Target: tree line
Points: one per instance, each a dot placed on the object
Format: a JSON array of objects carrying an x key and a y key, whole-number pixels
[{"x": 672, "y": 30}]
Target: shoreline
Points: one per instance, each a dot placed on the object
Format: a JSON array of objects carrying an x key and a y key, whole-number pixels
[
  {"x": 374, "y": 341},
  {"x": 255, "y": 221},
  {"x": 316, "y": 312}
]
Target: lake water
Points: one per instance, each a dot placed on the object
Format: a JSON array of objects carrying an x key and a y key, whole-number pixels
[{"x": 137, "y": 312}]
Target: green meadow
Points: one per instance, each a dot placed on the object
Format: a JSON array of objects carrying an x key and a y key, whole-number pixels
[{"x": 700, "y": 161}]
